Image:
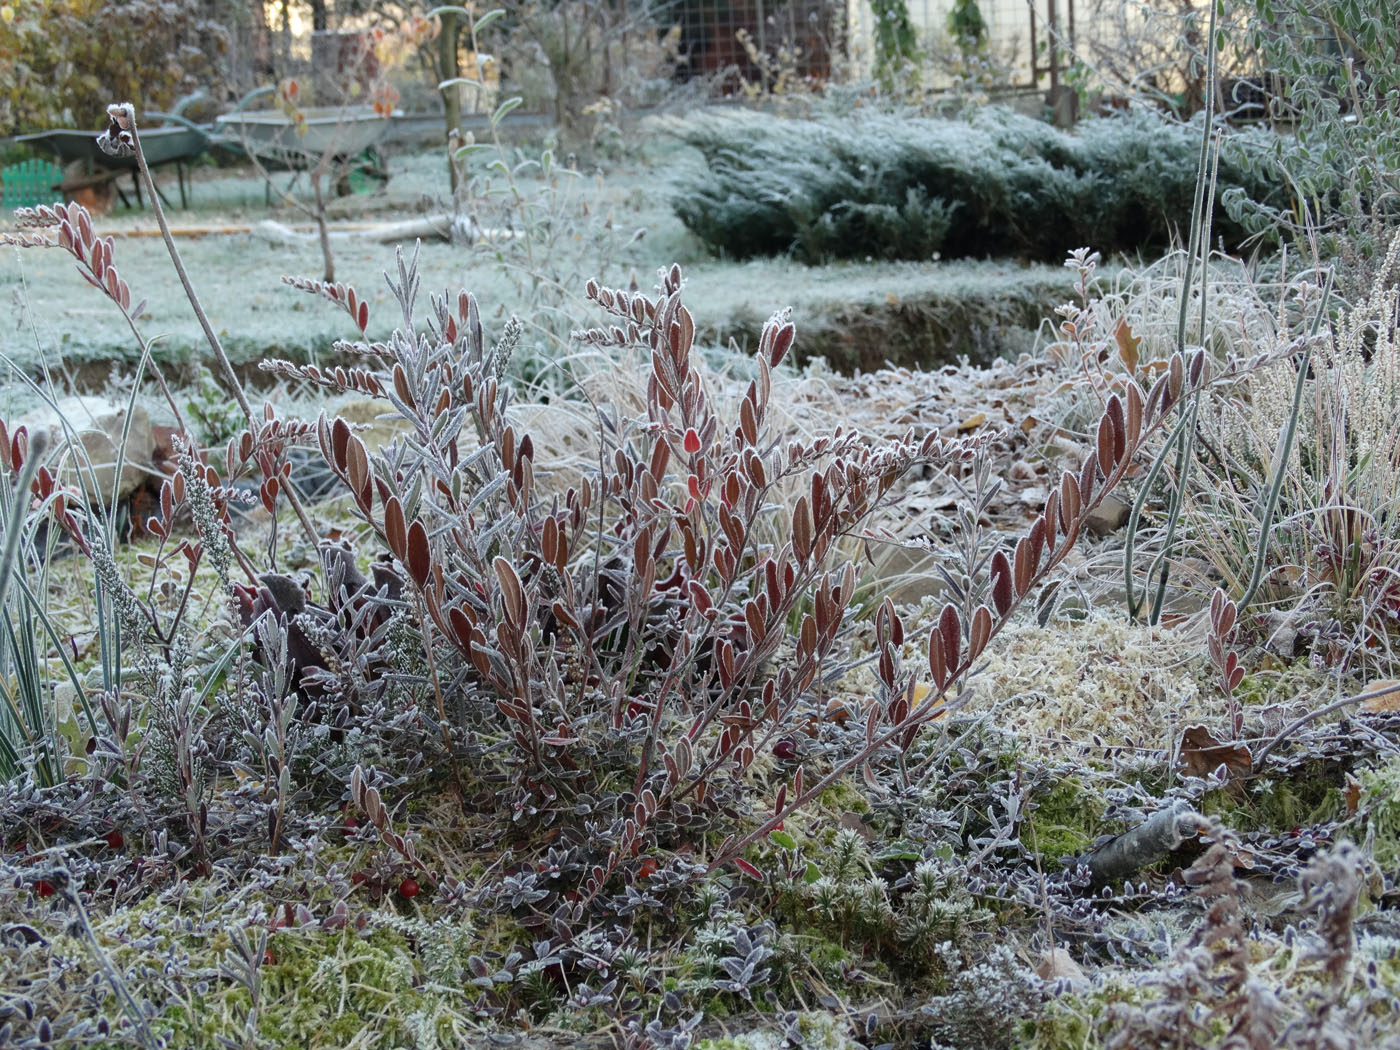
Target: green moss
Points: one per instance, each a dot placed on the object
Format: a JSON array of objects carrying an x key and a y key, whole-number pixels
[
  {"x": 321, "y": 989},
  {"x": 1379, "y": 809},
  {"x": 820, "y": 1031},
  {"x": 1076, "y": 1020},
  {"x": 1277, "y": 805},
  {"x": 842, "y": 797},
  {"x": 1064, "y": 821}
]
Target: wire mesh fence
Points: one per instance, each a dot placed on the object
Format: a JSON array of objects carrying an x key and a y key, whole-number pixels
[
  {"x": 722, "y": 38},
  {"x": 1018, "y": 41}
]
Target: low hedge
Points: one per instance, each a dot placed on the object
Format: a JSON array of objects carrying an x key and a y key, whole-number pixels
[{"x": 998, "y": 185}]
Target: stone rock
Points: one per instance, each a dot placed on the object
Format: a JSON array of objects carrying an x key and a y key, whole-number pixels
[
  {"x": 906, "y": 574},
  {"x": 1108, "y": 516},
  {"x": 97, "y": 424}
]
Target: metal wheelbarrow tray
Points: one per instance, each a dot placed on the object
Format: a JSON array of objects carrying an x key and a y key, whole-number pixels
[
  {"x": 273, "y": 138},
  {"x": 168, "y": 145}
]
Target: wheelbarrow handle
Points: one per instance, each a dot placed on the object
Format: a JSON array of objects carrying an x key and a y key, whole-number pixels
[
  {"x": 252, "y": 96},
  {"x": 175, "y": 118}
]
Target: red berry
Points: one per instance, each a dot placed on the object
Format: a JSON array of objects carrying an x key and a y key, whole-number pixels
[
  {"x": 408, "y": 889},
  {"x": 114, "y": 839}
]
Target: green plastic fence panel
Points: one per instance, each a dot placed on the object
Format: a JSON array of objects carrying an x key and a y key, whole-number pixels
[{"x": 28, "y": 183}]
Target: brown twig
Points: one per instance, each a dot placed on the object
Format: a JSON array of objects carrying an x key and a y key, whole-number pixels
[{"x": 1298, "y": 723}]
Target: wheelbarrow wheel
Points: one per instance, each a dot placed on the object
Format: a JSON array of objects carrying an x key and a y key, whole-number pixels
[{"x": 366, "y": 174}]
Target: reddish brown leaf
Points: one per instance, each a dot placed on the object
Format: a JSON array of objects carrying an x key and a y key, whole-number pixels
[
  {"x": 641, "y": 546},
  {"x": 401, "y": 386},
  {"x": 1127, "y": 345},
  {"x": 1070, "y": 504},
  {"x": 980, "y": 632},
  {"x": 801, "y": 530},
  {"x": 1176, "y": 377},
  {"x": 1051, "y": 518},
  {"x": 1104, "y": 444},
  {"x": 420, "y": 562},
  {"x": 359, "y": 473},
  {"x": 732, "y": 527},
  {"x": 1199, "y": 371},
  {"x": 395, "y": 530},
  {"x": 782, "y": 341},
  {"x": 950, "y": 627},
  {"x": 512, "y": 594},
  {"x": 1132, "y": 417},
  {"x": 748, "y": 421},
  {"x": 461, "y": 630},
  {"x": 724, "y": 652},
  {"x": 1088, "y": 477},
  {"x": 549, "y": 540},
  {"x": 748, "y": 869},
  {"x": 1024, "y": 567},
  {"x": 772, "y": 584},
  {"x": 699, "y": 597},
  {"x": 1115, "y": 416},
  {"x": 754, "y": 618},
  {"x": 1003, "y": 592},
  {"x": 340, "y": 440},
  {"x": 807, "y": 637}
]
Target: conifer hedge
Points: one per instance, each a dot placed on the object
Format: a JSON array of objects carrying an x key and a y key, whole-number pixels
[{"x": 996, "y": 185}]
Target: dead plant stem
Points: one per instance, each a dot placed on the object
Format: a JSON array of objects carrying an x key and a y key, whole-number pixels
[{"x": 128, "y": 115}]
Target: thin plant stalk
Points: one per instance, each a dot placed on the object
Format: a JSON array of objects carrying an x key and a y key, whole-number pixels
[{"x": 125, "y": 116}]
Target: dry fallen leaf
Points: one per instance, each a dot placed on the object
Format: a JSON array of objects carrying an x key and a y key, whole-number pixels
[
  {"x": 1127, "y": 345},
  {"x": 1387, "y": 701},
  {"x": 973, "y": 421},
  {"x": 921, "y": 692},
  {"x": 1351, "y": 794},
  {"x": 1058, "y": 965},
  {"x": 1202, "y": 754}
]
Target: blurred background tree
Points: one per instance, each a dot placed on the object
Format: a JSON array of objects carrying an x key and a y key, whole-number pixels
[{"x": 63, "y": 61}]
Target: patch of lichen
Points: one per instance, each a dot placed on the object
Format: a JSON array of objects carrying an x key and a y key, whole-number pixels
[{"x": 1064, "y": 821}]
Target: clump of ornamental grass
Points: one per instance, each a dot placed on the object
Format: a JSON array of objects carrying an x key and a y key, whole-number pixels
[{"x": 1329, "y": 589}]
